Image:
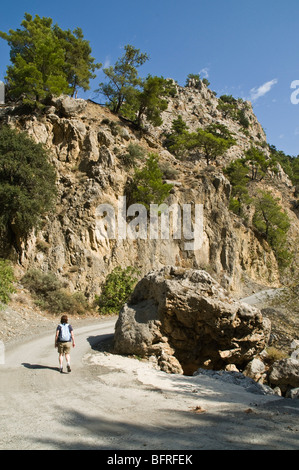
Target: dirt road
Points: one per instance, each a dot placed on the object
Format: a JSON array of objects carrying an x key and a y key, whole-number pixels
[{"x": 117, "y": 403}]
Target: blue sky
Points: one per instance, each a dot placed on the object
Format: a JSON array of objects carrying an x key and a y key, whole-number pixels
[{"x": 247, "y": 49}]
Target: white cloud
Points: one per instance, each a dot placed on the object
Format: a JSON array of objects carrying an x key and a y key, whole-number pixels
[
  {"x": 256, "y": 93},
  {"x": 107, "y": 62},
  {"x": 204, "y": 72}
]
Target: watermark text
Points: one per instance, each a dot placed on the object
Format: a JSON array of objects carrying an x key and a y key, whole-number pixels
[{"x": 159, "y": 222}]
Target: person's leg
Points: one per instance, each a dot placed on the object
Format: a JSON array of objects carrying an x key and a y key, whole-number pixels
[
  {"x": 68, "y": 358},
  {"x": 60, "y": 361},
  {"x": 60, "y": 355},
  {"x": 68, "y": 362}
]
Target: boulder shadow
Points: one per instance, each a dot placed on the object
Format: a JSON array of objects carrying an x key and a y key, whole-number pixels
[{"x": 103, "y": 343}]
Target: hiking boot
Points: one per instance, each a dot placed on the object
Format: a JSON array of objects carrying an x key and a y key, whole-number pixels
[{"x": 68, "y": 368}]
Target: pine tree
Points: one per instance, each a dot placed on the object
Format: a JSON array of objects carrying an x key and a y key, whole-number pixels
[
  {"x": 79, "y": 64},
  {"x": 122, "y": 77},
  {"x": 237, "y": 173},
  {"x": 27, "y": 183},
  {"x": 207, "y": 144},
  {"x": 273, "y": 223},
  {"x": 150, "y": 100},
  {"x": 148, "y": 187},
  {"x": 46, "y": 60}
]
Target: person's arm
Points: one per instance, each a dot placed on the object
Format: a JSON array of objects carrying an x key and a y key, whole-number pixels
[
  {"x": 56, "y": 338},
  {"x": 73, "y": 338}
]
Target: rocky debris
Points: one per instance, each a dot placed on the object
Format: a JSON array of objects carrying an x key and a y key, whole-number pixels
[
  {"x": 237, "y": 378},
  {"x": 285, "y": 374},
  {"x": 295, "y": 349},
  {"x": 185, "y": 315},
  {"x": 292, "y": 393},
  {"x": 256, "y": 369}
]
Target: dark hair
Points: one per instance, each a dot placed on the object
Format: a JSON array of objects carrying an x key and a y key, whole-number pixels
[{"x": 64, "y": 319}]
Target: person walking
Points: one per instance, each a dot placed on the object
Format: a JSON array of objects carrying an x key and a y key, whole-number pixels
[{"x": 63, "y": 338}]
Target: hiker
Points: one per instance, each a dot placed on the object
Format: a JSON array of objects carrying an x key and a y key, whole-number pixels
[{"x": 63, "y": 338}]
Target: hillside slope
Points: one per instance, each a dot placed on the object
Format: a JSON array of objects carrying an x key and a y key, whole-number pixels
[{"x": 87, "y": 145}]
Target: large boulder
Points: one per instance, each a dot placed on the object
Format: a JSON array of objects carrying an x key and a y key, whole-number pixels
[
  {"x": 68, "y": 106},
  {"x": 285, "y": 374},
  {"x": 187, "y": 316}
]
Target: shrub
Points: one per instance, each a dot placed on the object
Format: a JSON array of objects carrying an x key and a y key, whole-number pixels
[
  {"x": 259, "y": 164},
  {"x": 243, "y": 120},
  {"x": 209, "y": 145},
  {"x": 237, "y": 172},
  {"x": 211, "y": 142},
  {"x": 51, "y": 294},
  {"x": 6, "y": 281},
  {"x": 168, "y": 171},
  {"x": 134, "y": 153},
  {"x": 178, "y": 128},
  {"x": 275, "y": 354},
  {"x": 27, "y": 183},
  {"x": 273, "y": 223},
  {"x": 147, "y": 186},
  {"x": 117, "y": 289}
]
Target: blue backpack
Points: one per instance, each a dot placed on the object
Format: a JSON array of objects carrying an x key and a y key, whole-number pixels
[{"x": 65, "y": 334}]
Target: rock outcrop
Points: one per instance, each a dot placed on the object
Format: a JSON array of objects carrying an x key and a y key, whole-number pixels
[
  {"x": 86, "y": 143},
  {"x": 185, "y": 318},
  {"x": 285, "y": 374}
]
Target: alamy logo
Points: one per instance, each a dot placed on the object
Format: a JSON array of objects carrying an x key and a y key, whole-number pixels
[
  {"x": 2, "y": 93},
  {"x": 160, "y": 222},
  {"x": 295, "y": 94},
  {"x": 2, "y": 353}
]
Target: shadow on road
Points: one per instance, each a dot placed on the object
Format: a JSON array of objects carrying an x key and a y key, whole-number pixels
[
  {"x": 101, "y": 342},
  {"x": 228, "y": 430},
  {"x": 38, "y": 366}
]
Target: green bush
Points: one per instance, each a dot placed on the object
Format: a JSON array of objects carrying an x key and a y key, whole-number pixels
[
  {"x": 51, "y": 294},
  {"x": 6, "y": 281},
  {"x": 237, "y": 172},
  {"x": 147, "y": 186},
  {"x": 169, "y": 172},
  {"x": 134, "y": 154},
  {"x": 178, "y": 129},
  {"x": 269, "y": 218},
  {"x": 210, "y": 143},
  {"x": 271, "y": 221},
  {"x": 117, "y": 289},
  {"x": 27, "y": 183}
]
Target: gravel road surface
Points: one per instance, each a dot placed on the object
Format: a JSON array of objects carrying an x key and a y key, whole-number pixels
[{"x": 111, "y": 402}]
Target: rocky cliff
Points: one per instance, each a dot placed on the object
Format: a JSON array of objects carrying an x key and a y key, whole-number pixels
[{"x": 87, "y": 143}]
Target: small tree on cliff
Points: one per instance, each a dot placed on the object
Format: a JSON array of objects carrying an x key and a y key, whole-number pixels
[
  {"x": 149, "y": 100},
  {"x": 237, "y": 173},
  {"x": 46, "y": 60},
  {"x": 122, "y": 77},
  {"x": 148, "y": 186},
  {"x": 208, "y": 144},
  {"x": 273, "y": 223},
  {"x": 27, "y": 183}
]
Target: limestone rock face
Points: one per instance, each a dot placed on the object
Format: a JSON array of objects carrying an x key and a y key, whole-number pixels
[
  {"x": 186, "y": 314},
  {"x": 86, "y": 143}
]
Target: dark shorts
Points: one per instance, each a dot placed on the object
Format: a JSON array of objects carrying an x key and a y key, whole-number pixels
[{"x": 64, "y": 347}]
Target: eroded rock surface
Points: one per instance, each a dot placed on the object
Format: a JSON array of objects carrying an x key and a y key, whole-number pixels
[{"x": 185, "y": 318}]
